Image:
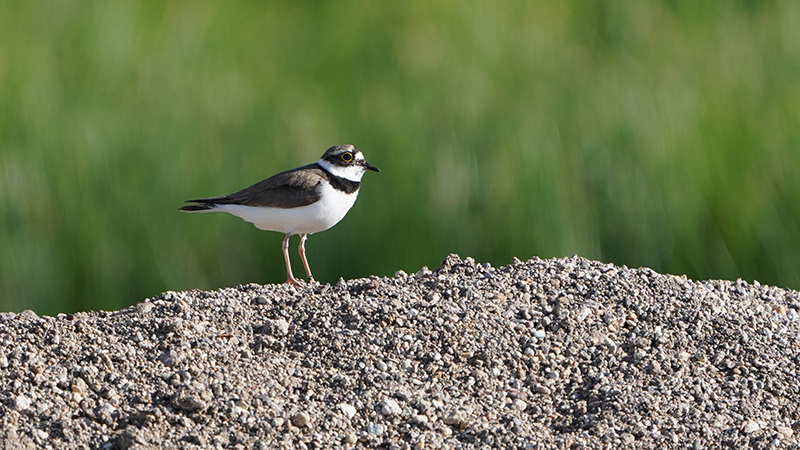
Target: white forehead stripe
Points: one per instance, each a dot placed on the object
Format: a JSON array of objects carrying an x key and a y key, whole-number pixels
[{"x": 352, "y": 173}]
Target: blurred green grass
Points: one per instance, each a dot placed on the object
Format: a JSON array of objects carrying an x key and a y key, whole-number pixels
[{"x": 660, "y": 134}]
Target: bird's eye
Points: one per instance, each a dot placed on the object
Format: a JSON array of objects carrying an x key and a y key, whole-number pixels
[{"x": 347, "y": 156}]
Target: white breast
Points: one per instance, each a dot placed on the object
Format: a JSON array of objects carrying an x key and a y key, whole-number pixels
[{"x": 313, "y": 218}]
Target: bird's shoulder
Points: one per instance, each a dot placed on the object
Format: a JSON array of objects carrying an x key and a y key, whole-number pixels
[{"x": 305, "y": 177}]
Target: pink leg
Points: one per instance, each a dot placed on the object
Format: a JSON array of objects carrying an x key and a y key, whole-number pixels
[
  {"x": 291, "y": 279},
  {"x": 302, "y": 250}
]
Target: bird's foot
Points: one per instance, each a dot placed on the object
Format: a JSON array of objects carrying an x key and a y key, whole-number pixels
[{"x": 294, "y": 282}]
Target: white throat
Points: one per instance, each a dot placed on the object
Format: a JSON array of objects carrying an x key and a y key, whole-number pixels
[{"x": 352, "y": 173}]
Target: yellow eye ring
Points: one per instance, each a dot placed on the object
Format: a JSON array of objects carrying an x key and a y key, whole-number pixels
[{"x": 347, "y": 156}]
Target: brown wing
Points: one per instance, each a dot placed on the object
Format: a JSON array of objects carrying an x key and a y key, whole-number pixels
[{"x": 290, "y": 189}]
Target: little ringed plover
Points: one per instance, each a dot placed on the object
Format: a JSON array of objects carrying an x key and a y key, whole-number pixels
[{"x": 301, "y": 201}]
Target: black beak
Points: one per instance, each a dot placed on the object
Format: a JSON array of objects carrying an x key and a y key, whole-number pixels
[{"x": 369, "y": 166}]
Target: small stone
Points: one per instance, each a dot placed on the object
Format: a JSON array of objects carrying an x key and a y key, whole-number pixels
[
  {"x": 478, "y": 374},
  {"x": 350, "y": 439},
  {"x": 106, "y": 410},
  {"x": 110, "y": 393},
  {"x": 518, "y": 395},
  {"x": 261, "y": 300},
  {"x": 301, "y": 420},
  {"x": 375, "y": 429},
  {"x": 380, "y": 365},
  {"x": 540, "y": 389},
  {"x": 348, "y": 410},
  {"x": 420, "y": 419},
  {"x": 750, "y": 426},
  {"x": 390, "y": 407},
  {"x": 28, "y": 315},
  {"x": 21, "y": 402},
  {"x": 653, "y": 367},
  {"x": 423, "y": 272},
  {"x": 519, "y": 405},
  {"x": 400, "y": 274},
  {"x": 785, "y": 432},
  {"x": 78, "y": 386},
  {"x": 278, "y": 327},
  {"x": 188, "y": 403},
  {"x": 539, "y": 334},
  {"x": 423, "y": 406},
  {"x": 445, "y": 431},
  {"x": 174, "y": 326},
  {"x": 456, "y": 417},
  {"x": 780, "y": 309},
  {"x": 169, "y": 358}
]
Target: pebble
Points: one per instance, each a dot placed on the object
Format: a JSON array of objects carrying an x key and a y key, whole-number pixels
[
  {"x": 301, "y": 420},
  {"x": 188, "y": 403},
  {"x": 169, "y": 358},
  {"x": 79, "y": 386},
  {"x": 390, "y": 407},
  {"x": 433, "y": 297},
  {"x": 261, "y": 300},
  {"x": 375, "y": 429},
  {"x": 28, "y": 315},
  {"x": 456, "y": 417},
  {"x": 750, "y": 426},
  {"x": 278, "y": 327},
  {"x": 348, "y": 410},
  {"x": 21, "y": 402},
  {"x": 350, "y": 439},
  {"x": 420, "y": 419}
]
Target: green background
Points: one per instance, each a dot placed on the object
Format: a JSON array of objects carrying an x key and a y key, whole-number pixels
[{"x": 660, "y": 134}]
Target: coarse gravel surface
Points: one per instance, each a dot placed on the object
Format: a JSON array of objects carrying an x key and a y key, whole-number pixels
[{"x": 544, "y": 354}]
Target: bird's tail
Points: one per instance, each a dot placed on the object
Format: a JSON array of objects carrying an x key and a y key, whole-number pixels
[{"x": 202, "y": 205}]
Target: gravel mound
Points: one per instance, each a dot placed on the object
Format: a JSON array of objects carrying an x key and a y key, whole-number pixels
[{"x": 562, "y": 353}]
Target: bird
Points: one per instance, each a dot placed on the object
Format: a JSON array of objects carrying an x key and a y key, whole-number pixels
[{"x": 305, "y": 200}]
